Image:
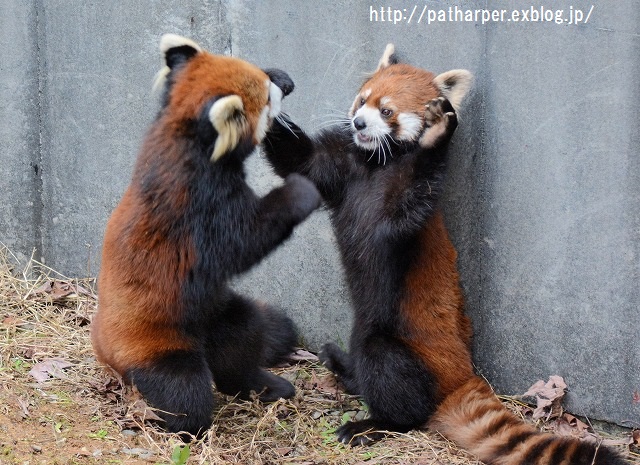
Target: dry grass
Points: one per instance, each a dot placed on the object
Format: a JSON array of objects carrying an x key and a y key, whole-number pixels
[{"x": 82, "y": 414}]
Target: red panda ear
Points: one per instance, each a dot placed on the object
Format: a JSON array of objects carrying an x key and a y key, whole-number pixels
[
  {"x": 388, "y": 57},
  {"x": 177, "y": 49},
  {"x": 228, "y": 119},
  {"x": 454, "y": 85}
]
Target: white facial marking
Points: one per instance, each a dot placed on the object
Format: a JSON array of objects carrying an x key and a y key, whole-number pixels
[
  {"x": 270, "y": 111},
  {"x": 385, "y": 101},
  {"x": 263, "y": 125},
  {"x": 276, "y": 95},
  {"x": 375, "y": 128},
  {"x": 410, "y": 126},
  {"x": 364, "y": 95}
]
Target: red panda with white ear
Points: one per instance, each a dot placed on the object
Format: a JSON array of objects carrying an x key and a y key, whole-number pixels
[
  {"x": 381, "y": 175},
  {"x": 188, "y": 222}
]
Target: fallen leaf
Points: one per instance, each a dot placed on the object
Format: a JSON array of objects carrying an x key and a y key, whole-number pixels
[
  {"x": 636, "y": 397},
  {"x": 635, "y": 435},
  {"x": 141, "y": 411},
  {"x": 325, "y": 384},
  {"x": 576, "y": 423},
  {"x": 60, "y": 290},
  {"x": 303, "y": 355},
  {"x": 49, "y": 368},
  {"x": 548, "y": 397}
]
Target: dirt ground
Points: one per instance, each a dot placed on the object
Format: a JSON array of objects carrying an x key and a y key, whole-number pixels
[{"x": 59, "y": 406}]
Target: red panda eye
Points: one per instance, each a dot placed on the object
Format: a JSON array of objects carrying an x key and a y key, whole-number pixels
[
  {"x": 386, "y": 112},
  {"x": 362, "y": 100}
]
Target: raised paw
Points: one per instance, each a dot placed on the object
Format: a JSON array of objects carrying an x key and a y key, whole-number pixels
[
  {"x": 303, "y": 195},
  {"x": 441, "y": 121}
]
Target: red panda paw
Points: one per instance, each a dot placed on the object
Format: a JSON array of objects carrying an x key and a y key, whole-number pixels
[
  {"x": 303, "y": 196},
  {"x": 441, "y": 122}
]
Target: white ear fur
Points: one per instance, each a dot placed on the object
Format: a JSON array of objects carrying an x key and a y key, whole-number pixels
[
  {"x": 227, "y": 117},
  {"x": 169, "y": 41},
  {"x": 160, "y": 78},
  {"x": 454, "y": 85},
  {"x": 386, "y": 57}
]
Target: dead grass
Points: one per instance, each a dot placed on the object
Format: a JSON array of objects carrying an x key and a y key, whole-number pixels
[{"x": 81, "y": 413}]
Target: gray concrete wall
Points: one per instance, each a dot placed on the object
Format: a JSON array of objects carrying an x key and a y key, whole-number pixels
[{"x": 543, "y": 189}]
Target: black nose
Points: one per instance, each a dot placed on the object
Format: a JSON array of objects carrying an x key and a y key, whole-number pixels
[{"x": 359, "y": 123}]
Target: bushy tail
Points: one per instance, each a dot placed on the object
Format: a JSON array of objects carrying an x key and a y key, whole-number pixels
[{"x": 476, "y": 420}]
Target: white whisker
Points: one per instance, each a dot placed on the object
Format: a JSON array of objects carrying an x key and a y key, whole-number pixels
[{"x": 286, "y": 124}]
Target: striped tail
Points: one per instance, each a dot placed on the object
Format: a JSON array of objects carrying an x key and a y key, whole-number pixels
[{"x": 474, "y": 418}]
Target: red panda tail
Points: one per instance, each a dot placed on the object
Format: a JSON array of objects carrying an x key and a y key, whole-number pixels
[{"x": 474, "y": 418}]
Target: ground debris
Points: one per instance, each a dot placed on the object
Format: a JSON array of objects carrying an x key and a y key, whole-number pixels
[{"x": 78, "y": 411}]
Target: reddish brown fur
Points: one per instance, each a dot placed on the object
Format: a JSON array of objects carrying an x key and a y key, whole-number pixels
[
  {"x": 210, "y": 75},
  {"x": 123, "y": 338},
  {"x": 439, "y": 332},
  {"x": 410, "y": 89}
]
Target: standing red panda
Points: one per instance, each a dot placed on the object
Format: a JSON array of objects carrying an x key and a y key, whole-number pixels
[
  {"x": 381, "y": 175},
  {"x": 166, "y": 320}
]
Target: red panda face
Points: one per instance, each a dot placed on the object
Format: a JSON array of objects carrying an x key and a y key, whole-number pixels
[
  {"x": 390, "y": 106},
  {"x": 242, "y": 98}
]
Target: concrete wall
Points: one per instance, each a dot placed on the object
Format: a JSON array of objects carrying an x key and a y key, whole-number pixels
[{"x": 543, "y": 189}]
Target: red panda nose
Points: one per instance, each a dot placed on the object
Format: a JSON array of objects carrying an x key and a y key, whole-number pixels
[{"x": 359, "y": 123}]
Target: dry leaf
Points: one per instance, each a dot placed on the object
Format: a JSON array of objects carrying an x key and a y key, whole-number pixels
[
  {"x": 303, "y": 355},
  {"x": 568, "y": 425},
  {"x": 60, "y": 290},
  {"x": 548, "y": 397},
  {"x": 325, "y": 384},
  {"x": 141, "y": 411},
  {"x": 576, "y": 423},
  {"x": 49, "y": 368}
]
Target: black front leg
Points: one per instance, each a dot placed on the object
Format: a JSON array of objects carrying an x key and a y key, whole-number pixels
[
  {"x": 288, "y": 148},
  {"x": 323, "y": 159},
  {"x": 412, "y": 200},
  {"x": 277, "y": 214}
]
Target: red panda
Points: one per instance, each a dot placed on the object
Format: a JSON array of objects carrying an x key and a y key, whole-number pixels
[
  {"x": 381, "y": 174},
  {"x": 187, "y": 223}
]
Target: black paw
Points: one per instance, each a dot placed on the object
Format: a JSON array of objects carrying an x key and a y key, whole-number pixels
[
  {"x": 441, "y": 121},
  {"x": 341, "y": 364},
  {"x": 329, "y": 356},
  {"x": 275, "y": 388},
  {"x": 359, "y": 433},
  {"x": 280, "y": 79},
  {"x": 303, "y": 195}
]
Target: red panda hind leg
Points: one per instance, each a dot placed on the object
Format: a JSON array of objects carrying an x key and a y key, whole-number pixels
[
  {"x": 249, "y": 335},
  {"x": 397, "y": 387},
  {"x": 180, "y": 386}
]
